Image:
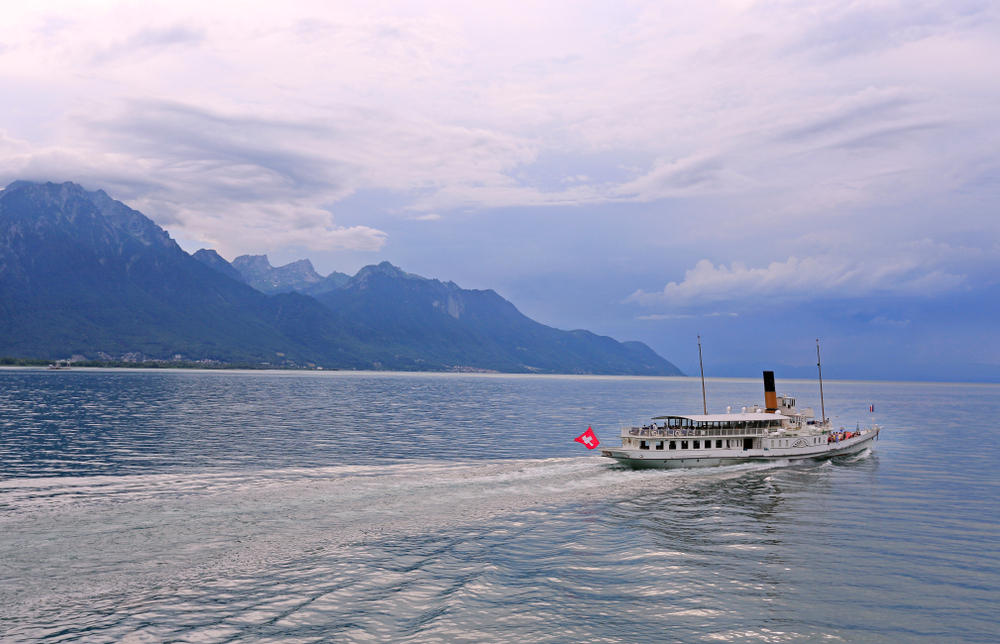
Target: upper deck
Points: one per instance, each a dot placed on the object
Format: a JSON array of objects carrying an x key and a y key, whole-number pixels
[
  {"x": 700, "y": 421},
  {"x": 742, "y": 424}
]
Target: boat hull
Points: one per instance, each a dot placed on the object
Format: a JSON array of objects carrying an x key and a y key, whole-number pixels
[{"x": 649, "y": 459}]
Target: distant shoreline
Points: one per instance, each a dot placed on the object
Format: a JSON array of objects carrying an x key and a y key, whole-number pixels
[
  {"x": 155, "y": 364},
  {"x": 8, "y": 363}
]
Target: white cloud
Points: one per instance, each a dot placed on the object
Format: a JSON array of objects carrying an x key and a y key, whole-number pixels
[
  {"x": 665, "y": 316},
  {"x": 249, "y": 120},
  {"x": 909, "y": 270},
  {"x": 687, "y": 177},
  {"x": 886, "y": 321},
  {"x": 149, "y": 42}
]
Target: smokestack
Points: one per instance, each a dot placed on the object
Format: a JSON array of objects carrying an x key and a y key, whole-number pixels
[{"x": 770, "y": 397}]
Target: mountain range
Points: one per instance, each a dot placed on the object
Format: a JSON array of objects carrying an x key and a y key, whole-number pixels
[
  {"x": 298, "y": 276},
  {"x": 82, "y": 274}
]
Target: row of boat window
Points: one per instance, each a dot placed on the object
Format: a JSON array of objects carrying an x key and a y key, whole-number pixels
[
  {"x": 660, "y": 431},
  {"x": 729, "y": 444},
  {"x": 687, "y": 423}
]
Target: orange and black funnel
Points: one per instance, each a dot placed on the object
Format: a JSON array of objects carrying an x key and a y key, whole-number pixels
[{"x": 770, "y": 396}]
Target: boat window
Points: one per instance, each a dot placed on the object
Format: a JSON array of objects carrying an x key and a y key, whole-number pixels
[
  {"x": 643, "y": 444},
  {"x": 659, "y": 445},
  {"x": 718, "y": 444},
  {"x": 684, "y": 444},
  {"x": 696, "y": 445},
  {"x": 673, "y": 444}
]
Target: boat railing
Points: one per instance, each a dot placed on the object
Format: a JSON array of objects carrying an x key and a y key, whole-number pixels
[{"x": 666, "y": 432}]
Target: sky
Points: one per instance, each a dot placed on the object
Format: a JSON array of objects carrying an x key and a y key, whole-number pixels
[{"x": 764, "y": 174}]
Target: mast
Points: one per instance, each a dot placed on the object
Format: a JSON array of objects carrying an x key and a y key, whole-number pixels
[
  {"x": 819, "y": 364},
  {"x": 704, "y": 401}
]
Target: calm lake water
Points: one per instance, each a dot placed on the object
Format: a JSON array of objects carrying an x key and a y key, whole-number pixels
[{"x": 183, "y": 506}]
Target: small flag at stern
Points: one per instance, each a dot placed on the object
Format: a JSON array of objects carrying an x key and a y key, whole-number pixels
[
  {"x": 588, "y": 438},
  {"x": 871, "y": 409}
]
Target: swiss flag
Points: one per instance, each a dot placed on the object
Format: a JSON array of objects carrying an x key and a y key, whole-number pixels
[{"x": 588, "y": 438}]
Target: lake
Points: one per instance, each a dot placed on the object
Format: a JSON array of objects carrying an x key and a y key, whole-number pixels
[{"x": 215, "y": 506}]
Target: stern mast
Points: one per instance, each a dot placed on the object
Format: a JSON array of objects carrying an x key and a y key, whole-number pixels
[
  {"x": 819, "y": 365},
  {"x": 704, "y": 401}
]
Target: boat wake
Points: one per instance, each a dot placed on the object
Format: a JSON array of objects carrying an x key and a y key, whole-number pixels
[
  {"x": 191, "y": 548},
  {"x": 350, "y": 501}
]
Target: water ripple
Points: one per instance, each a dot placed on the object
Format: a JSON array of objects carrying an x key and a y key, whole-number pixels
[{"x": 163, "y": 507}]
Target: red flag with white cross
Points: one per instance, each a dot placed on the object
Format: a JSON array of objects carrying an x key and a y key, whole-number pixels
[{"x": 588, "y": 438}]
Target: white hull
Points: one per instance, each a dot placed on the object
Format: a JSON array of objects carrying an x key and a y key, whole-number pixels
[{"x": 646, "y": 458}]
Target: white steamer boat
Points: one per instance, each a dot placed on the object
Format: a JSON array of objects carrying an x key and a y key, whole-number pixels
[{"x": 776, "y": 432}]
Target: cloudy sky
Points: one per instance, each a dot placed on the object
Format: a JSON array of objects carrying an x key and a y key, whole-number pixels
[{"x": 761, "y": 173}]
